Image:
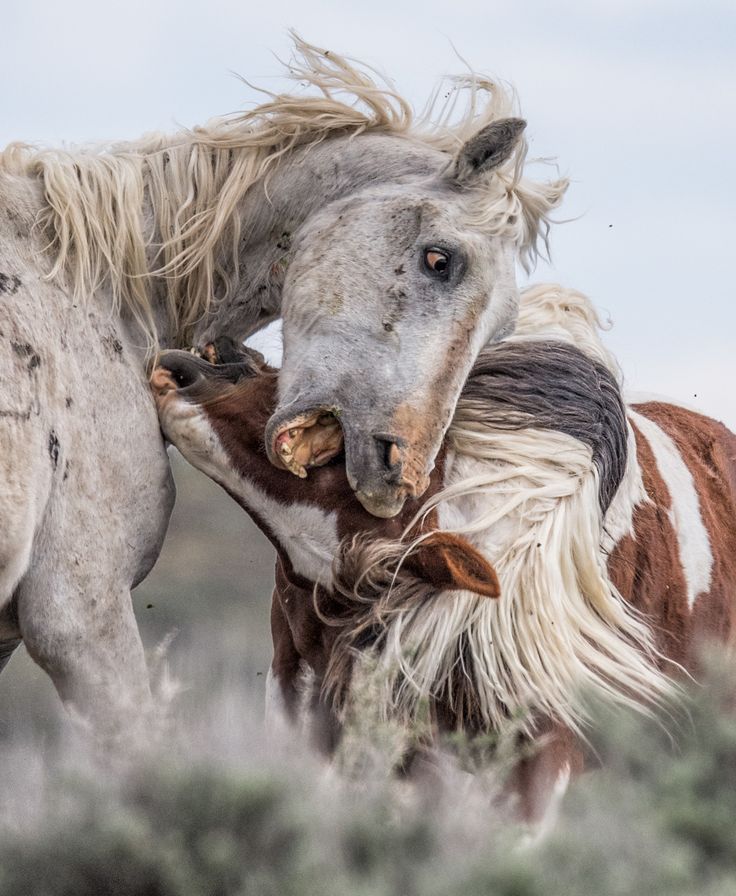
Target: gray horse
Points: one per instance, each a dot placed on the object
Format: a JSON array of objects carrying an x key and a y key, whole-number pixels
[{"x": 388, "y": 245}]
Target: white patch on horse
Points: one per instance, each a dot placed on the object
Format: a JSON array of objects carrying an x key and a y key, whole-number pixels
[
  {"x": 554, "y": 804},
  {"x": 692, "y": 536},
  {"x": 307, "y": 534}
]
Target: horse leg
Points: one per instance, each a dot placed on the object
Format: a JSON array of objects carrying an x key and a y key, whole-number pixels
[
  {"x": 288, "y": 692},
  {"x": 539, "y": 780},
  {"x": 282, "y": 683},
  {"x": 84, "y": 635}
]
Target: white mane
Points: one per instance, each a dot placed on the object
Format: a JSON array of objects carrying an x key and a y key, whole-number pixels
[
  {"x": 528, "y": 500},
  {"x": 165, "y": 206},
  {"x": 551, "y": 311}
]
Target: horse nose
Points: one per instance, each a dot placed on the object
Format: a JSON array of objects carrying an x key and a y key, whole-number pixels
[{"x": 175, "y": 370}]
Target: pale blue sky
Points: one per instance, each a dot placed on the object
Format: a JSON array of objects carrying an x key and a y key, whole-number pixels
[{"x": 635, "y": 98}]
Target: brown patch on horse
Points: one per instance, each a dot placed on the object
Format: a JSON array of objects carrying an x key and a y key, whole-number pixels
[
  {"x": 708, "y": 450},
  {"x": 415, "y": 429},
  {"x": 646, "y": 568}
]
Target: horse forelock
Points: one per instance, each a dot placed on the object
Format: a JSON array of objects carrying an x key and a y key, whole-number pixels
[{"x": 166, "y": 206}]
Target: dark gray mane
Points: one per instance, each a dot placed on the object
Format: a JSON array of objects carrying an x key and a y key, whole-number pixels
[{"x": 552, "y": 385}]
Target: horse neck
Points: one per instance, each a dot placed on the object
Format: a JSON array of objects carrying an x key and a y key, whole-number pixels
[{"x": 179, "y": 267}]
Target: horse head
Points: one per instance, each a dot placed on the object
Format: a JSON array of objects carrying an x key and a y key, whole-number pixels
[{"x": 389, "y": 295}]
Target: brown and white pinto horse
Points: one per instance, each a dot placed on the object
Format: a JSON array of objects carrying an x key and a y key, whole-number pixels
[{"x": 612, "y": 535}]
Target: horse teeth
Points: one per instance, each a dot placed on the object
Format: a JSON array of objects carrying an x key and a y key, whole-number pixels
[
  {"x": 293, "y": 433},
  {"x": 285, "y": 450}
]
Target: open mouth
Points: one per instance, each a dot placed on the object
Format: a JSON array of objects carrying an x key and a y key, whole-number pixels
[{"x": 309, "y": 440}]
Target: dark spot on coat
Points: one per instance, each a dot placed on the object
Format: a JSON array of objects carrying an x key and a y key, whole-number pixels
[
  {"x": 10, "y": 283},
  {"x": 15, "y": 415},
  {"x": 113, "y": 344},
  {"x": 284, "y": 241},
  {"x": 26, "y": 350},
  {"x": 66, "y": 472},
  {"x": 69, "y": 402},
  {"x": 54, "y": 448}
]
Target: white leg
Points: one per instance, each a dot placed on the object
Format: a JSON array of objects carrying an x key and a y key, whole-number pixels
[{"x": 88, "y": 643}]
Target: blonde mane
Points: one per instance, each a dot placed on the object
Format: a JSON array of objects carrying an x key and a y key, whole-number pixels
[{"x": 165, "y": 207}]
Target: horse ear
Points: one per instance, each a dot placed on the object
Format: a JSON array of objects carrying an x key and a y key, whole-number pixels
[
  {"x": 449, "y": 562},
  {"x": 486, "y": 150}
]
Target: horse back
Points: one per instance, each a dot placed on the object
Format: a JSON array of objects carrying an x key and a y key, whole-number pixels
[{"x": 678, "y": 563}]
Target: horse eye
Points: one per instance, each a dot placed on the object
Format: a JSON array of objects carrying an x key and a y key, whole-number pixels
[{"x": 437, "y": 261}]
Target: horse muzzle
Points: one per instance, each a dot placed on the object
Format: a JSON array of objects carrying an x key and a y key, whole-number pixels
[{"x": 381, "y": 465}]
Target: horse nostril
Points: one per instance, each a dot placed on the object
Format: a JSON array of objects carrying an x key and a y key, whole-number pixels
[
  {"x": 183, "y": 378},
  {"x": 389, "y": 455},
  {"x": 182, "y": 370}
]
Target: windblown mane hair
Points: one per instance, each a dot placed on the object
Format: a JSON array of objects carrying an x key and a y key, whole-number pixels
[
  {"x": 165, "y": 206},
  {"x": 551, "y": 311},
  {"x": 372, "y": 586},
  {"x": 539, "y": 442}
]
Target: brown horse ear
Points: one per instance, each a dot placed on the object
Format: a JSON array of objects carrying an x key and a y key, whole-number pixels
[
  {"x": 449, "y": 562},
  {"x": 489, "y": 148}
]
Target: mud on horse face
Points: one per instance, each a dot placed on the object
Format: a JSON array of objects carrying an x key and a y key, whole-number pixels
[
  {"x": 215, "y": 415},
  {"x": 389, "y": 296}
]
